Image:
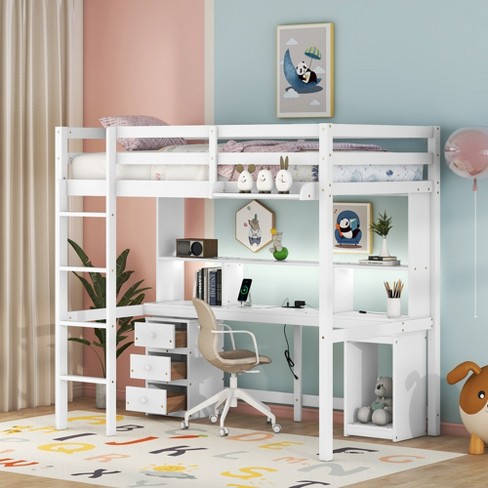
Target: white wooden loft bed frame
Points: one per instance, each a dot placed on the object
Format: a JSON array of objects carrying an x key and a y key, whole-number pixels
[{"x": 423, "y": 223}]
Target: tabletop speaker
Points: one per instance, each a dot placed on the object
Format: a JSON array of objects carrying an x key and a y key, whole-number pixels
[{"x": 197, "y": 248}]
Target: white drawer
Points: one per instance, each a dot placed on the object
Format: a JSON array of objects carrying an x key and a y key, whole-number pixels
[
  {"x": 161, "y": 336},
  {"x": 157, "y": 368},
  {"x": 153, "y": 400}
]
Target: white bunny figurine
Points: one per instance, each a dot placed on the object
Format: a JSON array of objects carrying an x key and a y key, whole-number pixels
[
  {"x": 245, "y": 181},
  {"x": 264, "y": 181},
  {"x": 284, "y": 179}
]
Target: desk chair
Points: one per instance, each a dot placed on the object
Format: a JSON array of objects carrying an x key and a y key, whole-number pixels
[{"x": 234, "y": 362}]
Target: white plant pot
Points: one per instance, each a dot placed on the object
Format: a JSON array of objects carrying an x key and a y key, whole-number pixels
[
  {"x": 384, "y": 247},
  {"x": 100, "y": 396}
]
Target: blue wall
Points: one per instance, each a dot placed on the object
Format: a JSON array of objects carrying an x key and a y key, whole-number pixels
[{"x": 396, "y": 62}]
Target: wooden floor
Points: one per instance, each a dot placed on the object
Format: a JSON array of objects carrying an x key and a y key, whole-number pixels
[{"x": 466, "y": 471}]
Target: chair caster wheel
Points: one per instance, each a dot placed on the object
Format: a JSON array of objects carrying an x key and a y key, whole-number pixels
[
  {"x": 224, "y": 432},
  {"x": 276, "y": 428},
  {"x": 184, "y": 425},
  {"x": 213, "y": 418}
]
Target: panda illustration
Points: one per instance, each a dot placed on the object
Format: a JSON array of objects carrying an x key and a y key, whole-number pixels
[
  {"x": 305, "y": 73},
  {"x": 348, "y": 229}
]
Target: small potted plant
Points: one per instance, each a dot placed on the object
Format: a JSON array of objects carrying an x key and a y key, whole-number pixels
[
  {"x": 95, "y": 288},
  {"x": 382, "y": 226}
]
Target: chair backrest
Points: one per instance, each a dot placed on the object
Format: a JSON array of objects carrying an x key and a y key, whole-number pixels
[{"x": 208, "y": 342}]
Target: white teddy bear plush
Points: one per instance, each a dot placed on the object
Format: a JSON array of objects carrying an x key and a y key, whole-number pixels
[{"x": 380, "y": 411}]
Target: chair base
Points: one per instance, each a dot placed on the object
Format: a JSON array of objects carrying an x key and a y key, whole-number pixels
[{"x": 226, "y": 399}]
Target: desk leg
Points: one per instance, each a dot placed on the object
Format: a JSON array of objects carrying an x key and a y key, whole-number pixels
[{"x": 297, "y": 385}]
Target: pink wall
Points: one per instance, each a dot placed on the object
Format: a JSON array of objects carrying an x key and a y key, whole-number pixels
[{"x": 140, "y": 57}]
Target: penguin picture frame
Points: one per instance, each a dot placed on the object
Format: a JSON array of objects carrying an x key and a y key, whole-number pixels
[{"x": 351, "y": 232}]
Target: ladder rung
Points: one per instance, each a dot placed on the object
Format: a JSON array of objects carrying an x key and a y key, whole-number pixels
[
  {"x": 82, "y": 269},
  {"x": 83, "y": 214},
  {"x": 74, "y": 323},
  {"x": 84, "y": 379}
]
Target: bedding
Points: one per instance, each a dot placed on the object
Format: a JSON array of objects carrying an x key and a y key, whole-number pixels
[
  {"x": 144, "y": 143},
  {"x": 92, "y": 165}
]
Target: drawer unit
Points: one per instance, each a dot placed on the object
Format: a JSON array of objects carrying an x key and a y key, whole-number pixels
[
  {"x": 154, "y": 400},
  {"x": 156, "y": 368},
  {"x": 176, "y": 375},
  {"x": 159, "y": 335}
]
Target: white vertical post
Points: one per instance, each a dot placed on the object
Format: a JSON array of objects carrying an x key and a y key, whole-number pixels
[
  {"x": 326, "y": 293},
  {"x": 212, "y": 158},
  {"x": 111, "y": 280},
  {"x": 298, "y": 383},
  {"x": 434, "y": 335},
  {"x": 61, "y": 280}
]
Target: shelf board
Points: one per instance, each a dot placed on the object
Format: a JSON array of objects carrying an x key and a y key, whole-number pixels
[
  {"x": 355, "y": 264},
  {"x": 299, "y": 191},
  {"x": 274, "y": 262},
  {"x": 239, "y": 260}
]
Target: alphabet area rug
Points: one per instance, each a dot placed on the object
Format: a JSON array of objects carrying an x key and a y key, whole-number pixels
[{"x": 152, "y": 451}]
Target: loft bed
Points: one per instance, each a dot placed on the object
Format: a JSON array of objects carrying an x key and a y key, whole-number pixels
[
  {"x": 210, "y": 163},
  {"x": 325, "y": 159}
]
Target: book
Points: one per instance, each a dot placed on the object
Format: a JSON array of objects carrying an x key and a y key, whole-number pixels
[
  {"x": 390, "y": 262},
  {"x": 219, "y": 286},
  {"x": 208, "y": 285},
  {"x": 212, "y": 287},
  {"x": 382, "y": 258}
]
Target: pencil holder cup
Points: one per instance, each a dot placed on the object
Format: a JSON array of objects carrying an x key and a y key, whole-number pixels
[{"x": 393, "y": 307}]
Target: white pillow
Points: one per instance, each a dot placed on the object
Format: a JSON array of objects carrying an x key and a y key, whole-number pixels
[{"x": 144, "y": 143}]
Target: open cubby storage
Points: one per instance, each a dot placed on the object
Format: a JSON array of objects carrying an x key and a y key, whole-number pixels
[{"x": 408, "y": 368}]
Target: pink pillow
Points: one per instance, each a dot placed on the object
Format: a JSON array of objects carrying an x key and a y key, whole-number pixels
[{"x": 144, "y": 143}]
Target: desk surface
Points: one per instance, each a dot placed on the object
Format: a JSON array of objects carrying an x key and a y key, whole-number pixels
[
  {"x": 271, "y": 314},
  {"x": 350, "y": 325}
]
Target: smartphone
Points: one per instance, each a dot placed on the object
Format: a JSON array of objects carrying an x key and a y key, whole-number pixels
[{"x": 244, "y": 290}]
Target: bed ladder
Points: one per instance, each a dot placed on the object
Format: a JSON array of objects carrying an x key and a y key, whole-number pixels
[{"x": 66, "y": 319}]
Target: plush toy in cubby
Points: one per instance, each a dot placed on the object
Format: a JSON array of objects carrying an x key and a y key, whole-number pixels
[{"x": 380, "y": 412}]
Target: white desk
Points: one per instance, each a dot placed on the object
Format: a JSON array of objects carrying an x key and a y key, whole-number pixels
[
  {"x": 297, "y": 317},
  {"x": 348, "y": 326}
]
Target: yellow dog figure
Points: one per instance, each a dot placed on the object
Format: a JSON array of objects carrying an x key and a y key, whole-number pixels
[{"x": 473, "y": 403}]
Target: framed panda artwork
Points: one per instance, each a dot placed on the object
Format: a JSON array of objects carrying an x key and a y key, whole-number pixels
[
  {"x": 305, "y": 70},
  {"x": 351, "y": 232}
]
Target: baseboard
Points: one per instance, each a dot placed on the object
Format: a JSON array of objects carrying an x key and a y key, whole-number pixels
[
  {"x": 457, "y": 430},
  {"x": 308, "y": 413},
  {"x": 312, "y": 414},
  {"x": 88, "y": 390},
  {"x": 286, "y": 412}
]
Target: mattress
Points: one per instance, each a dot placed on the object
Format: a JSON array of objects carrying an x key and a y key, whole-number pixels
[{"x": 91, "y": 166}]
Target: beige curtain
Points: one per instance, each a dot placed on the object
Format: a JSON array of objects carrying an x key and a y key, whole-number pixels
[{"x": 41, "y": 88}]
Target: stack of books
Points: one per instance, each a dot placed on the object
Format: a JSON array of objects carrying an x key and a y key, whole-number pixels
[
  {"x": 381, "y": 261},
  {"x": 208, "y": 285}
]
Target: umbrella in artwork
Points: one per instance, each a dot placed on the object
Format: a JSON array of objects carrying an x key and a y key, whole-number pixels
[{"x": 313, "y": 52}]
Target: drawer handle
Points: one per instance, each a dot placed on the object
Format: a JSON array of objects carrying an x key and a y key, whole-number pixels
[
  {"x": 147, "y": 367},
  {"x": 143, "y": 400},
  {"x": 152, "y": 335}
]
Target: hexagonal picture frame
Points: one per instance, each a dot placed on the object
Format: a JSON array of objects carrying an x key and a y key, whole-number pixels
[{"x": 253, "y": 225}]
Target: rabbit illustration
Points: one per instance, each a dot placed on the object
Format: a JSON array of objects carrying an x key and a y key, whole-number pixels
[
  {"x": 245, "y": 181},
  {"x": 284, "y": 179},
  {"x": 264, "y": 181},
  {"x": 254, "y": 231}
]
